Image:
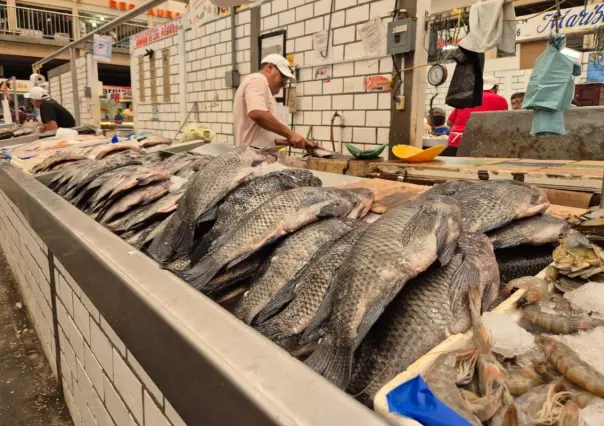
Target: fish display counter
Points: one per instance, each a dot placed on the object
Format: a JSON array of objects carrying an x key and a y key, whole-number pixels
[
  {"x": 131, "y": 341},
  {"x": 244, "y": 245}
]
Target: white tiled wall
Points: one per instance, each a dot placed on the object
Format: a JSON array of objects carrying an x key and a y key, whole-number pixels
[
  {"x": 208, "y": 58},
  {"x": 103, "y": 383}
]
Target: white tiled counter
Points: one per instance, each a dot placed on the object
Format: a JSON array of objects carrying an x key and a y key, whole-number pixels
[{"x": 136, "y": 345}]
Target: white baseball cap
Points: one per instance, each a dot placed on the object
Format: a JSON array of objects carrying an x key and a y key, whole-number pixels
[
  {"x": 281, "y": 63},
  {"x": 489, "y": 82},
  {"x": 37, "y": 94}
]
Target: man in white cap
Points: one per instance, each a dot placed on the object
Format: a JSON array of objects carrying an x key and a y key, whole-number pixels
[
  {"x": 253, "y": 110},
  {"x": 52, "y": 114},
  {"x": 458, "y": 119}
]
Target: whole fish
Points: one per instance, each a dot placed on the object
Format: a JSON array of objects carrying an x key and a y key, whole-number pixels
[
  {"x": 449, "y": 189},
  {"x": 195, "y": 164},
  {"x": 153, "y": 141},
  {"x": 489, "y": 205},
  {"x": 140, "y": 215},
  {"x": 428, "y": 309},
  {"x": 114, "y": 148},
  {"x": 306, "y": 292},
  {"x": 87, "y": 175},
  {"x": 249, "y": 196},
  {"x": 141, "y": 196},
  {"x": 521, "y": 261},
  {"x": 152, "y": 232},
  {"x": 85, "y": 195},
  {"x": 290, "y": 257},
  {"x": 151, "y": 158},
  {"x": 208, "y": 187},
  {"x": 284, "y": 214},
  {"x": 394, "y": 249},
  {"x": 113, "y": 181},
  {"x": 535, "y": 230},
  {"x": 56, "y": 160},
  {"x": 141, "y": 178},
  {"x": 361, "y": 199},
  {"x": 67, "y": 173}
]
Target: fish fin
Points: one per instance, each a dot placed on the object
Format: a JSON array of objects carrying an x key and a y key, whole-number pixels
[
  {"x": 240, "y": 259},
  {"x": 161, "y": 247},
  {"x": 210, "y": 215},
  {"x": 332, "y": 362},
  {"x": 447, "y": 248},
  {"x": 371, "y": 316},
  {"x": 269, "y": 329},
  {"x": 464, "y": 277},
  {"x": 322, "y": 314},
  {"x": 202, "y": 249},
  {"x": 282, "y": 298},
  {"x": 203, "y": 272},
  {"x": 491, "y": 292}
]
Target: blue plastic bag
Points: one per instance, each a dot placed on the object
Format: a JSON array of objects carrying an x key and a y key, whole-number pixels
[
  {"x": 415, "y": 400},
  {"x": 551, "y": 86}
]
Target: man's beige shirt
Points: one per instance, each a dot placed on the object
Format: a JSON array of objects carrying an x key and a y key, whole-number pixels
[{"x": 253, "y": 94}]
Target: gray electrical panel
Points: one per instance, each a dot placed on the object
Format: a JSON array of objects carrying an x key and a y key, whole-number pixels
[{"x": 401, "y": 36}]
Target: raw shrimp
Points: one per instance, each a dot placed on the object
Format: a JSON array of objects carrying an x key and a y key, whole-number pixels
[
  {"x": 508, "y": 415},
  {"x": 570, "y": 414},
  {"x": 543, "y": 404},
  {"x": 571, "y": 366},
  {"x": 520, "y": 379},
  {"x": 536, "y": 289},
  {"x": 490, "y": 373},
  {"x": 559, "y": 324}
]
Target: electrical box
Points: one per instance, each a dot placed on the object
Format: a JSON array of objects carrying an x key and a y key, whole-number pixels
[
  {"x": 87, "y": 92},
  {"x": 401, "y": 36},
  {"x": 232, "y": 79}
]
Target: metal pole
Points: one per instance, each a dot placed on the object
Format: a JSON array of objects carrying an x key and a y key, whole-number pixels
[
  {"x": 74, "y": 85},
  {"x": 107, "y": 27}
]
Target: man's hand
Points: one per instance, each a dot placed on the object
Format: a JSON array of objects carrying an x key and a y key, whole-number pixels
[{"x": 299, "y": 141}]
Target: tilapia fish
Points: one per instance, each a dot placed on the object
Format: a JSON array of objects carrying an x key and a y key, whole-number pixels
[
  {"x": 361, "y": 199},
  {"x": 114, "y": 180},
  {"x": 489, "y": 205},
  {"x": 284, "y": 214},
  {"x": 449, "y": 189},
  {"x": 114, "y": 148},
  {"x": 141, "y": 196},
  {"x": 289, "y": 258},
  {"x": 535, "y": 230},
  {"x": 96, "y": 169},
  {"x": 306, "y": 292},
  {"x": 53, "y": 161},
  {"x": 140, "y": 215},
  {"x": 208, "y": 187},
  {"x": 249, "y": 196},
  {"x": 153, "y": 141},
  {"x": 68, "y": 172},
  {"x": 151, "y": 232},
  {"x": 396, "y": 248},
  {"x": 521, "y": 261},
  {"x": 430, "y": 308}
]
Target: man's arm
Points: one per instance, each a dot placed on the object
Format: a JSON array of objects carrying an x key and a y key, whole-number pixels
[
  {"x": 257, "y": 110},
  {"x": 51, "y": 125}
]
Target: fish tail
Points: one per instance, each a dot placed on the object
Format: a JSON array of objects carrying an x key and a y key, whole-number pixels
[
  {"x": 332, "y": 362},
  {"x": 162, "y": 246},
  {"x": 271, "y": 330},
  {"x": 202, "y": 273}
]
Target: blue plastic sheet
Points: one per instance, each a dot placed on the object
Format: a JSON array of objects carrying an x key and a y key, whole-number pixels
[{"x": 415, "y": 400}]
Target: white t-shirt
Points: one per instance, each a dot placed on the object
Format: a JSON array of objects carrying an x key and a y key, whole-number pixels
[{"x": 254, "y": 94}]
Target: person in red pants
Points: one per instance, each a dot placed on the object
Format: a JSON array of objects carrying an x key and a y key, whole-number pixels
[{"x": 458, "y": 119}]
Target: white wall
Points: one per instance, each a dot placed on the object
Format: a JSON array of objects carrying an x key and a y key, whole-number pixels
[
  {"x": 102, "y": 382},
  {"x": 208, "y": 58}
]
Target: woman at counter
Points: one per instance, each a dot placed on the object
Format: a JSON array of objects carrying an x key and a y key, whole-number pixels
[{"x": 458, "y": 119}]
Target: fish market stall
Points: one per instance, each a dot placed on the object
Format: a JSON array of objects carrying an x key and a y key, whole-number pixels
[{"x": 275, "y": 247}]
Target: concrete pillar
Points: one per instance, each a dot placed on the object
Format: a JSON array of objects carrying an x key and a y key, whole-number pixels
[
  {"x": 75, "y": 24},
  {"x": 12, "y": 15}
]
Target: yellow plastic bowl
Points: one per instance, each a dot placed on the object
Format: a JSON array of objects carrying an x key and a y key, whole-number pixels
[{"x": 412, "y": 154}]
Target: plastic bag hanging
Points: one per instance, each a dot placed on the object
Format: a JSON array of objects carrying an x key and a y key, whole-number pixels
[
  {"x": 551, "y": 88},
  {"x": 465, "y": 90}
]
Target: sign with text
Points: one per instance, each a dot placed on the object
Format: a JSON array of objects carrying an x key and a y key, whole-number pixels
[
  {"x": 154, "y": 34},
  {"x": 101, "y": 48},
  {"x": 122, "y": 91},
  {"x": 576, "y": 19}
]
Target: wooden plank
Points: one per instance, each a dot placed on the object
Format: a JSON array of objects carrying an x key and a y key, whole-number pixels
[{"x": 346, "y": 165}]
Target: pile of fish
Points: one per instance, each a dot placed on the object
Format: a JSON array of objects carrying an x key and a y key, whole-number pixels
[
  {"x": 358, "y": 302},
  {"x": 74, "y": 154}
]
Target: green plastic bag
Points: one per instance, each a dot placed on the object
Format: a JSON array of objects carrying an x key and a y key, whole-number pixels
[{"x": 551, "y": 86}]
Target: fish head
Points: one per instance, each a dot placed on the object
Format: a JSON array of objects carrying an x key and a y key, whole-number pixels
[
  {"x": 255, "y": 156},
  {"x": 362, "y": 198},
  {"x": 534, "y": 201}
]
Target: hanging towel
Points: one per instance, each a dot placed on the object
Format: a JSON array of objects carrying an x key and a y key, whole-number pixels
[{"x": 491, "y": 26}]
